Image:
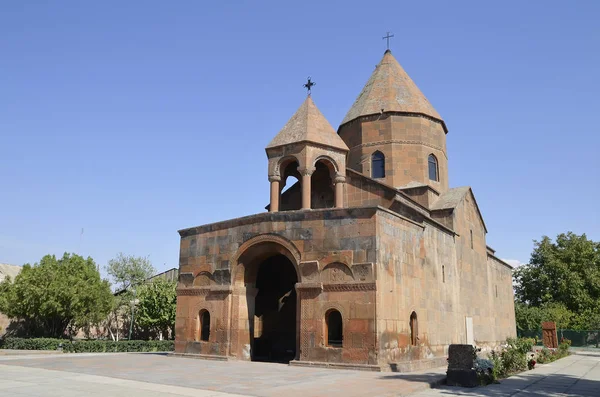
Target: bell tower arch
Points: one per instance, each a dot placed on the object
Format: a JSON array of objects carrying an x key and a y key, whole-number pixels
[{"x": 308, "y": 148}]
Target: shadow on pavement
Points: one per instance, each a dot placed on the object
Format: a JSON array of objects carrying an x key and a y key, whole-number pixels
[
  {"x": 432, "y": 377},
  {"x": 533, "y": 385}
]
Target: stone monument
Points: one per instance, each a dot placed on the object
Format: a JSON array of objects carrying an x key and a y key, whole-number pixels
[
  {"x": 460, "y": 366},
  {"x": 549, "y": 334}
]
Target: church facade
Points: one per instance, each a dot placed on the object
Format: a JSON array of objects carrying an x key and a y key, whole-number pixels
[{"x": 369, "y": 260}]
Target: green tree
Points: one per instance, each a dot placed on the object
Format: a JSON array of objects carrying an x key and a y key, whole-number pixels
[
  {"x": 55, "y": 297},
  {"x": 128, "y": 272},
  {"x": 528, "y": 317},
  {"x": 157, "y": 302},
  {"x": 562, "y": 280}
]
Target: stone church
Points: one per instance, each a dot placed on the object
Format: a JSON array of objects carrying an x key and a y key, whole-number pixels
[{"x": 366, "y": 257}]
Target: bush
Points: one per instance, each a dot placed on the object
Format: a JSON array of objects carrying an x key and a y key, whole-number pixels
[
  {"x": 497, "y": 369},
  {"x": 564, "y": 346},
  {"x": 547, "y": 356},
  {"x": 485, "y": 371},
  {"x": 32, "y": 344},
  {"x": 88, "y": 346},
  {"x": 512, "y": 358},
  {"x": 523, "y": 345}
]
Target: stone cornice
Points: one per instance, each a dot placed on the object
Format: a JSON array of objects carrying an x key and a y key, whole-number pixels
[
  {"x": 304, "y": 142},
  {"x": 399, "y": 141},
  {"x": 212, "y": 290},
  {"x": 309, "y": 286},
  {"x": 352, "y": 286},
  {"x": 284, "y": 216},
  {"x": 375, "y": 116}
]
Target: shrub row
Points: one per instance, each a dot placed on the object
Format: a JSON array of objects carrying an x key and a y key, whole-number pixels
[{"x": 88, "y": 346}]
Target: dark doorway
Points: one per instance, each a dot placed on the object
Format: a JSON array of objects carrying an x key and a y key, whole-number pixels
[
  {"x": 414, "y": 329},
  {"x": 335, "y": 334},
  {"x": 275, "y": 311},
  {"x": 204, "y": 325}
]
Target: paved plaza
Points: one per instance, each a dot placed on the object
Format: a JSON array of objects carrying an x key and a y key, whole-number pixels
[
  {"x": 150, "y": 375},
  {"x": 576, "y": 375}
]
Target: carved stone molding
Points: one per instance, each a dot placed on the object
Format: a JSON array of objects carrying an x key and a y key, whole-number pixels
[
  {"x": 339, "y": 179},
  {"x": 363, "y": 272},
  {"x": 399, "y": 141},
  {"x": 309, "y": 286},
  {"x": 349, "y": 287},
  {"x": 216, "y": 289},
  {"x": 306, "y": 171}
]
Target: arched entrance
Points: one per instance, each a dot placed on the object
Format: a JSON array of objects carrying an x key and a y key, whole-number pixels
[
  {"x": 266, "y": 323},
  {"x": 275, "y": 304}
]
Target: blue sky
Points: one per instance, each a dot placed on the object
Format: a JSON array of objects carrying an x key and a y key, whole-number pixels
[{"x": 135, "y": 119}]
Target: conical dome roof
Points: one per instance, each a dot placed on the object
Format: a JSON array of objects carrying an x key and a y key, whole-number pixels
[
  {"x": 308, "y": 125},
  {"x": 391, "y": 89}
]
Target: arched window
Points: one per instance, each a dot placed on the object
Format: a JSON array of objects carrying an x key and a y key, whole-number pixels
[
  {"x": 335, "y": 335},
  {"x": 414, "y": 329},
  {"x": 433, "y": 168},
  {"x": 204, "y": 325},
  {"x": 377, "y": 165}
]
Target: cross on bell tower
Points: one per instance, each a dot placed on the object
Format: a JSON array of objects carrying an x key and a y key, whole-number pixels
[
  {"x": 388, "y": 37},
  {"x": 309, "y": 85}
]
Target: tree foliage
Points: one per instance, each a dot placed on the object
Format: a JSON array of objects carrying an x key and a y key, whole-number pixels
[
  {"x": 561, "y": 283},
  {"x": 156, "y": 307},
  {"x": 129, "y": 270},
  {"x": 57, "y": 296}
]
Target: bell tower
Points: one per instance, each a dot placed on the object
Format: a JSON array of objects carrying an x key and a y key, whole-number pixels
[
  {"x": 308, "y": 148},
  {"x": 393, "y": 133}
]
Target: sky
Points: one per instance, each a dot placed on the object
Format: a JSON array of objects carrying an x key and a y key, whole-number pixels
[{"x": 132, "y": 120}]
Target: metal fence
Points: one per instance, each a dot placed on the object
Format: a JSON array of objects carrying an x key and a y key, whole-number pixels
[{"x": 577, "y": 338}]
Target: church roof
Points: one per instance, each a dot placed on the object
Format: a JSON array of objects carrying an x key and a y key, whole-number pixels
[
  {"x": 308, "y": 125},
  {"x": 452, "y": 197},
  {"x": 391, "y": 89}
]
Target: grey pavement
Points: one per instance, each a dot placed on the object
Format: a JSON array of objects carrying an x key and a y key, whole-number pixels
[
  {"x": 577, "y": 375},
  {"x": 132, "y": 375}
]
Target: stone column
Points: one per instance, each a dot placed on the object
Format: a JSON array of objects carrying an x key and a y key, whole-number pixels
[
  {"x": 274, "y": 193},
  {"x": 340, "y": 180},
  {"x": 251, "y": 293},
  {"x": 306, "y": 176}
]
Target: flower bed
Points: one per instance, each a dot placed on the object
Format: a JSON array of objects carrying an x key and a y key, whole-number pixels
[
  {"x": 515, "y": 356},
  {"x": 546, "y": 355}
]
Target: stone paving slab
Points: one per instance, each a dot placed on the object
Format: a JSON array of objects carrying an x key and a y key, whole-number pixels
[
  {"x": 230, "y": 378},
  {"x": 577, "y": 375},
  {"x": 29, "y": 382}
]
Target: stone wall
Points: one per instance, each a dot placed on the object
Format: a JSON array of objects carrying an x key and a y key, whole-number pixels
[
  {"x": 405, "y": 140},
  {"x": 437, "y": 275},
  {"x": 362, "y": 191},
  {"x": 479, "y": 277},
  {"x": 333, "y": 252},
  {"x": 410, "y": 279},
  {"x": 372, "y": 265}
]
